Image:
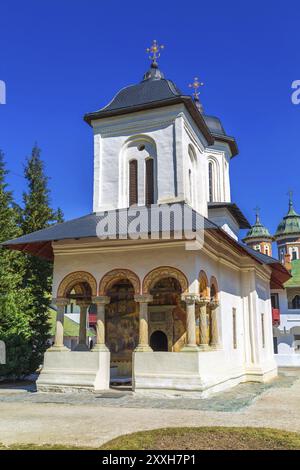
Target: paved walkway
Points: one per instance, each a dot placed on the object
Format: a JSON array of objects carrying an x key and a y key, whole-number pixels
[{"x": 84, "y": 419}]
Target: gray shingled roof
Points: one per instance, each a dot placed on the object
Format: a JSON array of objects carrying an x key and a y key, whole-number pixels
[
  {"x": 40, "y": 243},
  {"x": 87, "y": 226},
  {"x": 142, "y": 93}
]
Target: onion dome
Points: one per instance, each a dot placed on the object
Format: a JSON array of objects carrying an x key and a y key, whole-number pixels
[
  {"x": 290, "y": 224},
  {"x": 257, "y": 232}
]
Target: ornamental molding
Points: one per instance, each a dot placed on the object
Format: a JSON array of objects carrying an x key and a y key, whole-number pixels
[
  {"x": 162, "y": 272},
  {"x": 116, "y": 275},
  {"x": 74, "y": 278}
]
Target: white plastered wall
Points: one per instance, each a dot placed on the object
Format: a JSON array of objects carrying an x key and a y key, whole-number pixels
[
  {"x": 169, "y": 131},
  {"x": 242, "y": 290}
]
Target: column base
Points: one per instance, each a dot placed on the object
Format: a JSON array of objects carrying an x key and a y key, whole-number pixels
[
  {"x": 215, "y": 346},
  {"x": 100, "y": 348},
  {"x": 204, "y": 347},
  {"x": 143, "y": 348},
  {"x": 58, "y": 349},
  {"x": 190, "y": 348},
  {"x": 81, "y": 347}
]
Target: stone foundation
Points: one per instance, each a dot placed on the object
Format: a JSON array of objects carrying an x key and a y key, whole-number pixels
[
  {"x": 74, "y": 371},
  {"x": 195, "y": 374}
]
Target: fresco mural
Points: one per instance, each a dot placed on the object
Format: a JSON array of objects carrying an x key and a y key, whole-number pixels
[
  {"x": 166, "y": 314},
  {"x": 122, "y": 322}
]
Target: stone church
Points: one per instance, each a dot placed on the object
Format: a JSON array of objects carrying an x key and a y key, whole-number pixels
[{"x": 175, "y": 315}]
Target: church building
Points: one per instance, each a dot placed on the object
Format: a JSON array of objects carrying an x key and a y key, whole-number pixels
[{"x": 175, "y": 315}]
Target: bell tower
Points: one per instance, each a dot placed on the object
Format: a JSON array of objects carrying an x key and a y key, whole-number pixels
[
  {"x": 153, "y": 144},
  {"x": 287, "y": 235},
  {"x": 259, "y": 237}
]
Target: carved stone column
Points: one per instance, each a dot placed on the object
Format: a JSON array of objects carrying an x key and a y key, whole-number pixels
[
  {"x": 82, "y": 346},
  {"x": 190, "y": 300},
  {"x": 214, "y": 304},
  {"x": 59, "y": 331},
  {"x": 100, "y": 302},
  {"x": 203, "y": 323},
  {"x": 143, "y": 301}
]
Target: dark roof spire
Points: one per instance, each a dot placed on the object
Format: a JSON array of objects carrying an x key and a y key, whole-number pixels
[
  {"x": 257, "y": 211},
  {"x": 291, "y": 205},
  {"x": 195, "y": 85},
  {"x": 154, "y": 73}
]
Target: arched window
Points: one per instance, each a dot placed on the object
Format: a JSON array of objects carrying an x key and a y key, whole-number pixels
[
  {"x": 192, "y": 176},
  {"x": 137, "y": 177},
  {"x": 149, "y": 190},
  {"x": 133, "y": 182},
  {"x": 267, "y": 250},
  {"x": 294, "y": 253},
  {"x": 210, "y": 182}
]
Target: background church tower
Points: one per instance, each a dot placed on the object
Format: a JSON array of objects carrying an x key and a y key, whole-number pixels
[
  {"x": 287, "y": 235},
  {"x": 259, "y": 237}
]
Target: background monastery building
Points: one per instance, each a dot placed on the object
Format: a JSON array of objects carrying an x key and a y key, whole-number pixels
[{"x": 176, "y": 320}]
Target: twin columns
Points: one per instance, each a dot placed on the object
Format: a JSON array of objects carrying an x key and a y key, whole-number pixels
[{"x": 190, "y": 299}]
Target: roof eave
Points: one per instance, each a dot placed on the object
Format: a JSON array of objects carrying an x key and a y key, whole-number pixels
[
  {"x": 234, "y": 210},
  {"x": 186, "y": 100},
  {"x": 230, "y": 141}
]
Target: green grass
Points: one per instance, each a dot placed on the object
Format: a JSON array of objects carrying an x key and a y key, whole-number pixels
[{"x": 208, "y": 438}]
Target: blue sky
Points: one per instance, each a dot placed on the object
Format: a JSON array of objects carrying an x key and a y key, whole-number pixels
[{"x": 62, "y": 58}]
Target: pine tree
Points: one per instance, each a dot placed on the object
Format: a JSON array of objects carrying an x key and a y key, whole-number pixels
[
  {"x": 37, "y": 215},
  {"x": 15, "y": 329}
]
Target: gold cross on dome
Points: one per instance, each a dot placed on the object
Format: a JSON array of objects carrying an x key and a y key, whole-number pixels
[
  {"x": 154, "y": 50},
  {"x": 195, "y": 85}
]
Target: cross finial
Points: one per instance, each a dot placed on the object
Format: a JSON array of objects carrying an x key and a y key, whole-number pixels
[
  {"x": 257, "y": 212},
  {"x": 195, "y": 85},
  {"x": 154, "y": 51},
  {"x": 290, "y": 195}
]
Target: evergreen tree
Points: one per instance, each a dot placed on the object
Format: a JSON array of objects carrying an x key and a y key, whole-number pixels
[
  {"x": 37, "y": 215},
  {"x": 15, "y": 329}
]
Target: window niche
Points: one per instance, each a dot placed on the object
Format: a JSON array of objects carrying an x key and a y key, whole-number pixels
[{"x": 138, "y": 172}]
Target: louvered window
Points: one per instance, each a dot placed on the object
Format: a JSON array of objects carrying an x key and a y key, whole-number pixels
[
  {"x": 133, "y": 182},
  {"x": 149, "y": 182}
]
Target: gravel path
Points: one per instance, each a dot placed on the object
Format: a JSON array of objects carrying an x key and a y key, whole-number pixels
[{"x": 83, "y": 419}]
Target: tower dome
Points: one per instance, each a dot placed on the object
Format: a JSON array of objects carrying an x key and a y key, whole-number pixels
[
  {"x": 259, "y": 237},
  {"x": 287, "y": 235},
  {"x": 290, "y": 224}
]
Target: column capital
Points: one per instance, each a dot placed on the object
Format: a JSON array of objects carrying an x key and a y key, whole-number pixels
[
  {"x": 101, "y": 300},
  {"x": 204, "y": 301},
  {"x": 213, "y": 304},
  {"x": 143, "y": 298},
  {"x": 190, "y": 299},
  {"x": 60, "y": 301}
]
